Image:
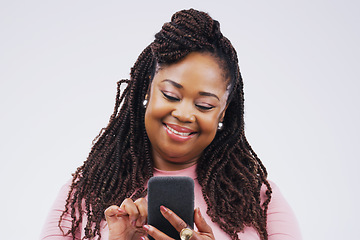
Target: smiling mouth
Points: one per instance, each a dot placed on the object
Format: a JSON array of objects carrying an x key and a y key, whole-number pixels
[{"x": 184, "y": 134}]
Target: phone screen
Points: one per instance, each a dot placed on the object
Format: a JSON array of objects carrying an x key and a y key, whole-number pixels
[{"x": 175, "y": 193}]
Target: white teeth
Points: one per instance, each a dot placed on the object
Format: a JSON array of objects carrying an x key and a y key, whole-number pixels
[{"x": 176, "y": 132}]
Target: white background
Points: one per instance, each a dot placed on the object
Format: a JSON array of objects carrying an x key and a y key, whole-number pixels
[{"x": 60, "y": 61}]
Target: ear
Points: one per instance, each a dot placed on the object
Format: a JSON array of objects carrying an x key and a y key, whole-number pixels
[
  {"x": 222, "y": 115},
  {"x": 148, "y": 92}
]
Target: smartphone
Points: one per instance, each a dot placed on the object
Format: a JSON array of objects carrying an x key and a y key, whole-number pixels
[{"x": 175, "y": 193}]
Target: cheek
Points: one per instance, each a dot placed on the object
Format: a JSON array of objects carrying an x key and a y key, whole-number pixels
[
  {"x": 156, "y": 108},
  {"x": 209, "y": 124}
]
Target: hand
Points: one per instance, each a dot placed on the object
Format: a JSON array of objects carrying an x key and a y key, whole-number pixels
[
  {"x": 126, "y": 222},
  {"x": 204, "y": 230}
]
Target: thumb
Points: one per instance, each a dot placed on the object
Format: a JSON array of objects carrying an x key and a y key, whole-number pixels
[{"x": 201, "y": 224}]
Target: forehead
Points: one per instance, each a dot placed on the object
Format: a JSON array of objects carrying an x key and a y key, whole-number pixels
[{"x": 196, "y": 69}]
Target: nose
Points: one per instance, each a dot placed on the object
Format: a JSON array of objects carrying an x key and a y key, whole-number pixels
[{"x": 184, "y": 112}]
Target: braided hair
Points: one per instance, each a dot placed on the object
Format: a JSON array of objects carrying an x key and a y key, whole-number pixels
[{"x": 120, "y": 162}]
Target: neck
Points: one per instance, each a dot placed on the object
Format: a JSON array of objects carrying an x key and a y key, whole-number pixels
[{"x": 172, "y": 164}]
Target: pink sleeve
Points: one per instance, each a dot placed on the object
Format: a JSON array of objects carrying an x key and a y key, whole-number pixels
[
  {"x": 50, "y": 230},
  {"x": 281, "y": 221}
]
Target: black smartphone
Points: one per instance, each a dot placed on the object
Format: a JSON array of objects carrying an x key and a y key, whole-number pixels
[{"x": 175, "y": 193}]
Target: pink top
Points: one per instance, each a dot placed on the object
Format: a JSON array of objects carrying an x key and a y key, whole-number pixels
[{"x": 281, "y": 225}]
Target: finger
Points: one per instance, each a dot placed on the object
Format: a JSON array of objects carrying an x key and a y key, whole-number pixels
[
  {"x": 142, "y": 207},
  {"x": 201, "y": 224},
  {"x": 174, "y": 219},
  {"x": 155, "y": 233},
  {"x": 130, "y": 208},
  {"x": 112, "y": 212}
]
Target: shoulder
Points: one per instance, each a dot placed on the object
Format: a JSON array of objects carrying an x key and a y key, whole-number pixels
[
  {"x": 66, "y": 187},
  {"x": 275, "y": 192},
  {"x": 277, "y": 200},
  {"x": 281, "y": 220},
  {"x": 50, "y": 228}
]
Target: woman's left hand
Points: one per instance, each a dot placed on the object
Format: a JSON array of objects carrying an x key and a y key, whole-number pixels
[{"x": 204, "y": 230}]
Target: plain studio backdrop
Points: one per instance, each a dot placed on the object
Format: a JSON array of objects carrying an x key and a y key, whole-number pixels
[{"x": 60, "y": 61}]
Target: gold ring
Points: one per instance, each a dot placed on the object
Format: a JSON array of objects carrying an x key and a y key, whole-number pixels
[{"x": 186, "y": 233}]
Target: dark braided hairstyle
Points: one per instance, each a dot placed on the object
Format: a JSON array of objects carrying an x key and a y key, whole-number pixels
[{"x": 120, "y": 162}]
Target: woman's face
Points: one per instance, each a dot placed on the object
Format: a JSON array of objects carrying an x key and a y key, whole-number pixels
[{"x": 186, "y": 102}]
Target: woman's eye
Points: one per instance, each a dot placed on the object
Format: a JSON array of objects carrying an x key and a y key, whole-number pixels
[
  {"x": 168, "y": 96},
  {"x": 205, "y": 107}
]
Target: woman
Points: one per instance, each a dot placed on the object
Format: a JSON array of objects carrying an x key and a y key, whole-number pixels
[{"x": 182, "y": 114}]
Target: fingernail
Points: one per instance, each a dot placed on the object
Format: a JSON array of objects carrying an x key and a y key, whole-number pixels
[
  {"x": 199, "y": 212},
  {"x": 200, "y": 215},
  {"x": 143, "y": 238},
  {"x": 146, "y": 227},
  {"x": 163, "y": 209}
]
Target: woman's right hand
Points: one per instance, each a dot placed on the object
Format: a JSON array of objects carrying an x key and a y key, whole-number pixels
[{"x": 126, "y": 222}]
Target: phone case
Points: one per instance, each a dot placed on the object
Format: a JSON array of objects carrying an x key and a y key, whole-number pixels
[{"x": 175, "y": 193}]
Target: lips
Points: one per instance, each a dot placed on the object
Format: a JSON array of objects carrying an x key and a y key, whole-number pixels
[
  {"x": 178, "y": 130},
  {"x": 178, "y": 133}
]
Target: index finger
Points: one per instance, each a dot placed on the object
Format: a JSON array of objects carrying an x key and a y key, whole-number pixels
[{"x": 174, "y": 219}]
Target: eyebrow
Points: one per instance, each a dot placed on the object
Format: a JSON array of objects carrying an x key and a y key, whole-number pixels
[
  {"x": 209, "y": 95},
  {"x": 177, "y": 85}
]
